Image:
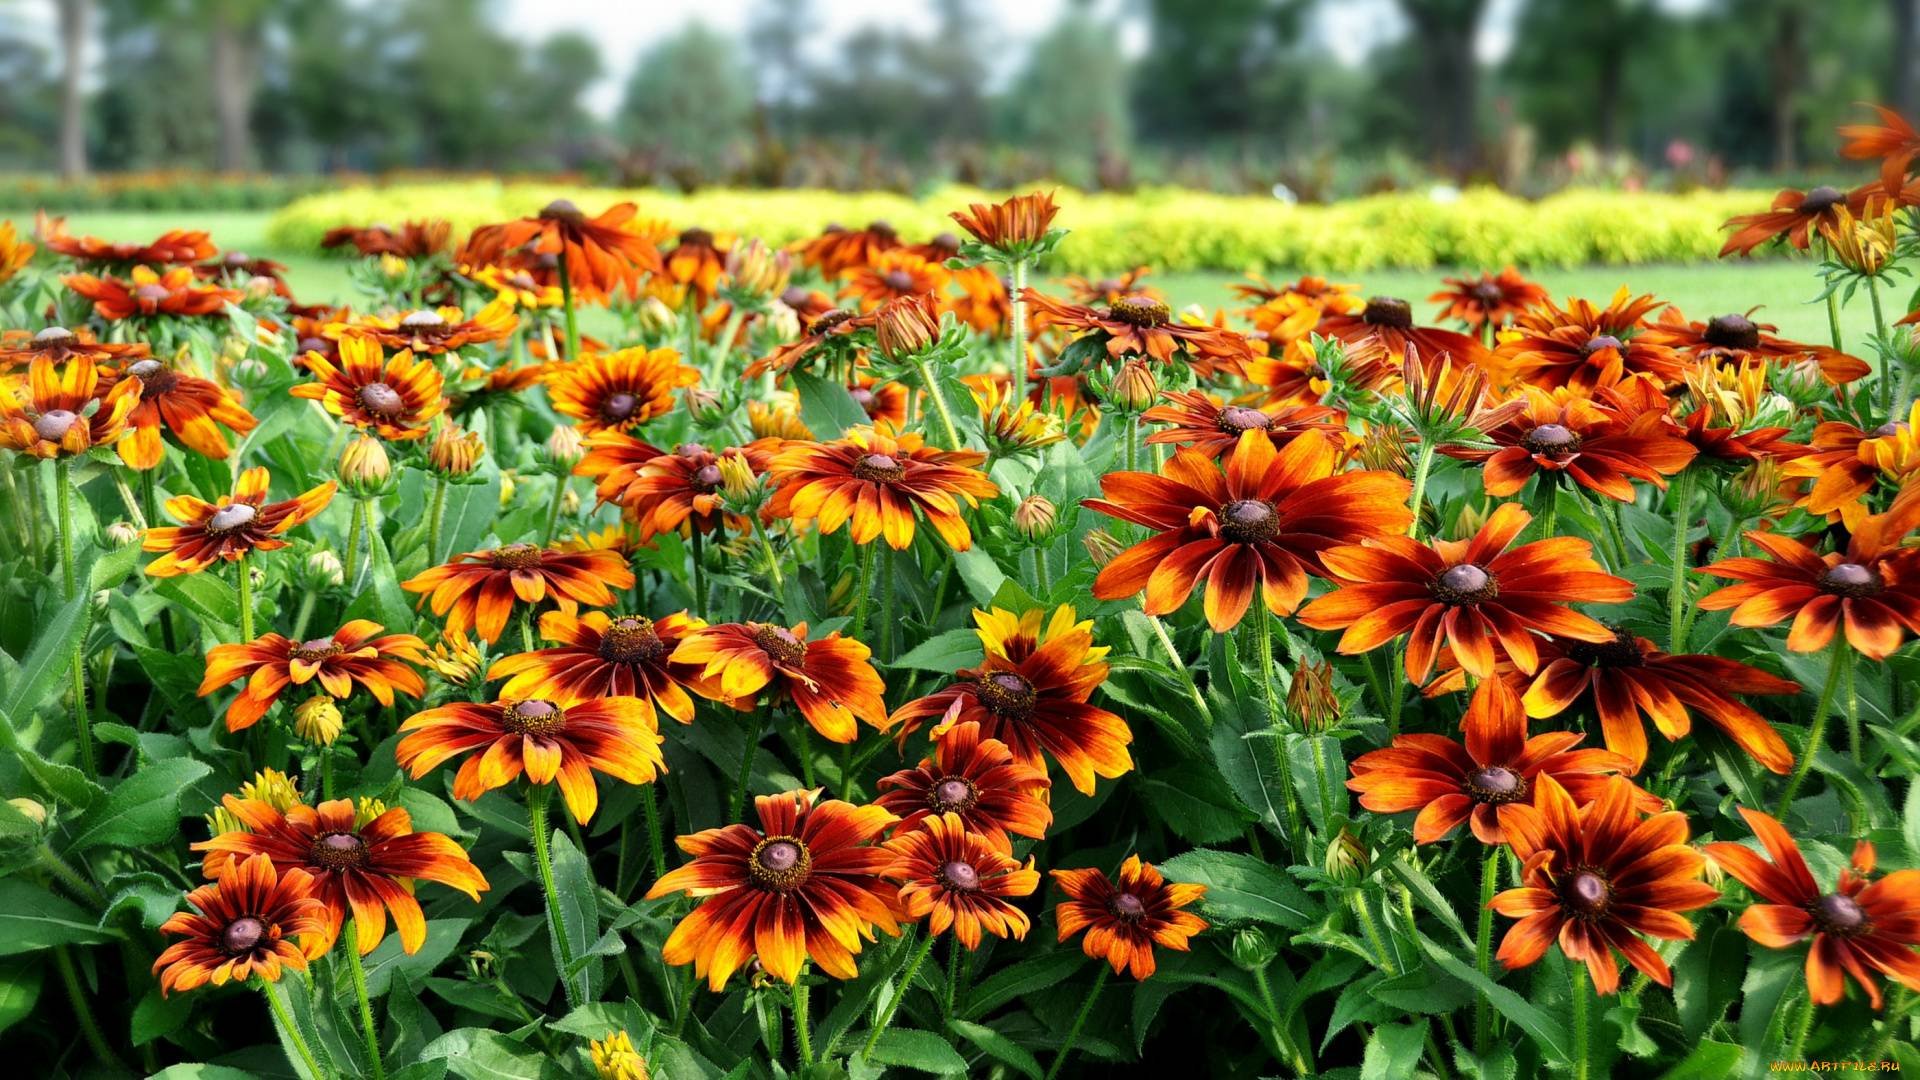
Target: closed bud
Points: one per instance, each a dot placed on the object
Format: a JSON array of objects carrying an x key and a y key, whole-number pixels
[
  {"x": 318, "y": 720},
  {"x": 366, "y": 811},
  {"x": 736, "y": 477},
  {"x": 260, "y": 286},
  {"x": 364, "y": 468},
  {"x": 757, "y": 270},
  {"x": 653, "y": 316},
  {"x": 908, "y": 325},
  {"x": 1311, "y": 700},
  {"x": 1347, "y": 858},
  {"x": 31, "y": 810},
  {"x": 454, "y": 453},
  {"x": 323, "y": 568},
  {"x": 1135, "y": 388},
  {"x": 614, "y": 1058},
  {"x": 1800, "y": 382},
  {"x": 563, "y": 446},
  {"x": 569, "y": 502},
  {"x": 1756, "y": 492},
  {"x": 1102, "y": 546},
  {"x": 783, "y": 323},
  {"x": 702, "y": 404},
  {"x": 1034, "y": 518},
  {"x": 122, "y": 533},
  {"x": 1253, "y": 949}
]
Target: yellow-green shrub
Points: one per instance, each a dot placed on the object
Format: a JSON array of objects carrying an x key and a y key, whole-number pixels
[{"x": 1169, "y": 229}]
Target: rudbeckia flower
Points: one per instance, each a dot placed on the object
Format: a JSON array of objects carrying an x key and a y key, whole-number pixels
[
  {"x": 1488, "y": 300},
  {"x": 892, "y": 275},
  {"x": 433, "y": 331},
  {"x": 1859, "y": 928},
  {"x": 1597, "y": 448},
  {"x": 393, "y": 396},
  {"x": 831, "y": 681},
  {"x": 600, "y": 655},
  {"x": 618, "y": 390},
  {"x": 976, "y": 778},
  {"x": 254, "y": 922},
  {"x": 960, "y": 881},
  {"x": 804, "y": 885},
  {"x": 1893, "y": 140},
  {"x": 1139, "y": 325},
  {"x": 696, "y": 263},
  {"x": 20, "y": 348},
  {"x": 1382, "y": 334},
  {"x": 1198, "y": 420},
  {"x": 192, "y": 408},
  {"x": 1595, "y": 878},
  {"x": 1125, "y": 919},
  {"x": 1587, "y": 347},
  {"x": 351, "y": 654},
  {"x": 1488, "y": 778},
  {"x": 878, "y": 481},
  {"x": 551, "y": 741},
  {"x": 363, "y": 869},
  {"x": 1737, "y": 336},
  {"x": 1846, "y": 463},
  {"x": 832, "y": 327},
  {"x": 837, "y": 250},
  {"x": 1012, "y": 225},
  {"x": 1260, "y": 522},
  {"x": 177, "y": 292},
  {"x": 1032, "y": 694},
  {"x": 413, "y": 240},
  {"x": 230, "y": 528},
  {"x": 478, "y": 589},
  {"x": 1794, "y": 215},
  {"x": 1473, "y": 597},
  {"x": 61, "y": 412},
  {"x": 669, "y": 492},
  {"x": 174, "y": 246},
  {"x": 600, "y": 254}
]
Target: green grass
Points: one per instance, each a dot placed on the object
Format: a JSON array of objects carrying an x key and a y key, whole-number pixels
[{"x": 1782, "y": 289}]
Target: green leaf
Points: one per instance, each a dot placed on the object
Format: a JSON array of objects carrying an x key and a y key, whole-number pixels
[
  {"x": 159, "y": 1015},
  {"x": 1393, "y": 1051},
  {"x": 489, "y": 1055},
  {"x": 44, "y": 669},
  {"x": 982, "y": 576},
  {"x": 1706, "y": 978},
  {"x": 945, "y": 652},
  {"x": 468, "y": 516},
  {"x": 580, "y": 907},
  {"x": 1195, "y": 802},
  {"x": 208, "y": 596},
  {"x": 826, "y": 407},
  {"x": 1241, "y": 887},
  {"x": 997, "y": 1046},
  {"x": 1709, "y": 1061},
  {"x": 31, "y": 918},
  {"x": 1546, "y": 1031},
  {"x": 443, "y": 937},
  {"x": 922, "y": 1050},
  {"x": 1774, "y": 977},
  {"x": 20, "y": 981},
  {"x": 1910, "y": 822},
  {"x": 114, "y": 567},
  {"x": 1026, "y": 977},
  {"x": 1320, "y": 768},
  {"x": 63, "y": 782},
  {"x": 141, "y": 810}
]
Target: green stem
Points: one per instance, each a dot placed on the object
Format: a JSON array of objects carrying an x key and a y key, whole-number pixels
[
  {"x": 1880, "y": 332},
  {"x": 301, "y": 617},
  {"x": 724, "y": 349},
  {"x": 526, "y": 629},
  {"x": 1549, "y": 504},
  {"x": 150, "y": 503},
  {"x": 77, "y": 661},
  {"x": 939, "y": 398},
  {"x": 1130, "y": 436},
  {"x": 1483, "y": 950},
  {"x": 83, "y": 1010},
  {"x": 699, "y": 574},
  {"x": 955, "y": 958},
  {"x": 553, "y": 508},
  {"x": 773, "y": 560},
  {"x": 1018, "y": 363},
  {"x": 1833, "y": 320},
  {"x": 656, "y": 840},
  {"x": 70, "y": 877},
  {"x": 1263, "y": 641},
  {"x": 1422, "y": 468},
  {"x": 802, "y": 1033},
  {"x": 1282, "y": 1043},
  {"x": 1817, "y": 726},
  {"x": 435, "y": 517},
  {"x": 285, "y": 1016},
  {"x": 350, "y": 944},
  {"x": 326, "y": 771},
  {"x": 886, "y": 602},
  {"x": 899, "y": 993},
  {"x": 243, "y": 587},
  {"x": 537, "y": 796},
  {"x": 1853, "y": 710},
  {"x": 1180, "y": 666},
  {"x": 863, "y": 586},
  {"x": 1677, "y": 599},
  {"x": 1079, "y": 1021},
  {"x": 350, "y": 568},
  {"x": 1370, "y": 929},
  {"x": 1040, "y": 581},
  {"x": 738, "y": 805},
  {"x": 1579, "y": 992},
  {"x": 566, "y": 301}
]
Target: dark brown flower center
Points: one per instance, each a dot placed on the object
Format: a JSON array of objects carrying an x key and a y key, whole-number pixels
[
  {"x": 563, "y": 210},
  {"x": 779, "y": 643},
  {"x": 1127, "y": 907},
  {"x": 423, "y": 320},
  {"x": 381, "y": 400},
  {"x": 879, "y": 468},
  {"x": 54, "y": 424},
  {"x": 52, "y": 334},
  {"x": 1838, "y": 913},
  {"x": 898, "y": 280},
  {"x": 829, "y": 319},
  {"x": 243, "y": 935},
  {"x": 1465, "y": 584},
  {"x": 780, "y": 863},
  {"x": 316, "y": 649},
  {"x": 1141, "y": 311},
  {"x": 516, "y": 557},
  {"x": 1551, "y": 440},
  {"x": 882, "y": 230},
  {"x": 1238, "y": 418},
  {"x": 1732, "y": 332},
  {"x": 1248, "y": 521},
  {"x": 696, "y": 238},
  {"x": 1388, "y": 311},
  {"x": 960, "y": 876},
  {"x": 1601, "y": 341},
  {"x": 620, "y": 405},
  {"x": 631, "y": 639},
  {"x": 1851, "y": 580},
  {"x": 1821, "y": 199},
  {"x": 232, "y": 516},
  {"x": 1006, "y": 694},
  {"x": 338, "y": 851},
  {"x": 707, "y": 478},
  {"x": 146, "y": 369},
  {"x": 1496, "y": 784},
  {"x": 152, "y": 293},
  {"x": 1622, "y": 651},
  {"x": 1489, "y": 293},
  {"x": 534, "y": 717},
  {"x": 952, "y": 794},
  {"x": 1586, "y": 894}
]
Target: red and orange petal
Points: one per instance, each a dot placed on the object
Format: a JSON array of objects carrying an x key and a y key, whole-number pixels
[
  {"x": 479, "y": 589},
  {"x": 976, "y": 778},
  {"x": 618, "y": 390},
  {"x": 352, "y": 654},
  {"x": 600, "y": 655},
  {"x": 393, "y": 396},
  {"x": 960, "y": 881},
  {"x": 879, "y": 483},
  {"x": 231, "y": 528},
  {"x": 192, "y": 408},
  {"x": 255, "y": 922},
  {"x": 1126, "y": 919},
  {"x": 831, "y": 681},
  {"x": 66, "y": 410}
]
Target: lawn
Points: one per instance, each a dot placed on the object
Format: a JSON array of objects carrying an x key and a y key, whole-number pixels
[{"x": 1785, "y": 290}]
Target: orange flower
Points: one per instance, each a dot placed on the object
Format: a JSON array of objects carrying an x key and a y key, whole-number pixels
[
  {"x": 1629, "y": 676},
  {"x": 1598, "y": 448},
  {"x": 833, "y": 328},
  {"x": 479, "y": 588},
  {"x": 830, "y": 681},
  {"x": 433, "y": 331},
  {"x": 878, "y": 481},
  {"x": 350, "y": 654},
  {"x": 395, "y": 397},
  {"x": 363, "y": 870},
  {"x": 1733, "y": 337},
  {"x": 665, "y": 493},
  {"x": 618, "y": 390},
  {"x": 1845, "y": 463},
  {"x": 805, "y": 885},
  {"x": 982, "y": 303},
  {"x": 1893, "y": 140},
  {"x": 415, "y": 240},
  {"x": 695, "y": 263},
  {"x": 892, "y": 275},
  {"x": 231, "y": 528},
  {"x": 1587, "y": 347},
  {"x": 1032, "y": 694},
  {"x": 605, "y": 656},
  {"x": 1124, "y": 920},
  {"x": 1857, "y": 929},
  {"x": 1474, "y": 597},
  {"x": 1198, "y": 420},
  {"x": 1794, "y": 215},
  {"x": 1596, "y": 877},
  {"x": 551, "y": 741},
  {"x": 1140, "y": 325},
  {"x": 177, "y": 292},
  {"x": 1107, "y": 290},
  {"x": 1488, "y": 300},
  {"x": 174, "y": 246},
  {"x": 883, "y": 402},
  {"x": 1262, "y": 521},
  {"x": 192, "y": 408},
  {"x": 960, "y": 880},
  {"x": 1381, "y": 335},
  {"x": 838, "y": 250},
  {"x": 64, "y": 412},
  {"x": 253, "y": 922},
  {"x": 1013, "y": 226},
  {"x": 20, "y": 348},
  {"x": 1487, "y": 780},
  {"x": 976, "y": 778},
  {"x": 598, "y": 254}
]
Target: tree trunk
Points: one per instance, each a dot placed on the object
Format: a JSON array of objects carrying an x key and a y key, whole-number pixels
[
  {"x": 74, "y": 16},
  {"x": 1607, "y": 98},
  {"x": 1783, "y": 80},
  {"x": 233, "y": 86},
  {"x": 1446, "y": 30},
  {"x": 1903, "y": 91}
]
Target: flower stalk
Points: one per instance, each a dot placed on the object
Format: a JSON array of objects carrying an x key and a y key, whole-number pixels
[
  {"x": 1079, "y": 1022},
  {"x": 77, "y": 662},
  {"x": 899, "y": 993},
  {"x": 1839, "y": 655},
  {"x": 350, "y": 944},
  {"x": 537, "y": 798}
]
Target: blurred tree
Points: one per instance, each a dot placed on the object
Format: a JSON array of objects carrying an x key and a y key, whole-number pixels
[
  {"x": 76, "y": 17},
  {"x": 777, "y": 32},
  {"x": 1445, "y": 33},
  {"x": 1576, "y": 94},
  {"x": 151, "y": 109},
  {"x": 688, "y": 104},
  {"x": 1204, "y": 62},
  {"x": 236, "y": 29},
  {"x": 1903, "y": 88},
  {"x": 1072, "y": 93},
  {"x": 30, "y": 109}
]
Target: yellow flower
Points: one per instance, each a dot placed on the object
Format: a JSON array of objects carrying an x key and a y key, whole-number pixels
[
  {"x": 517, "y": 287},
  {"x": 273, "y": 787},
  {"x": 614, "y": 1058},
  {"x": 368, "y": 811},
  {"x": 14, "y": 252},
  {"x": 456, "y": 658},
  {"x": 318, "y": 720},
  {"x": 1014, "y": 429},
  {"x": 1864, "y": 246}
]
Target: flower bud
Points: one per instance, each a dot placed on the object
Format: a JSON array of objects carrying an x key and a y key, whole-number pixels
[
  {"x": 30, "y": 810},
  {"x": 366, "y": 811},
  {"x": 736, "y": 477},
  {"x": 783, "y": 323},
  {"x": 1800, "y": 382},
  {"x": 756, "y": 270},
  {"x": 1102, "y": 546},
  {"x": 908, "y": 325},
  {"x": 563, "y": 446},
  {"x": 702, "y": 404},
  {"x": 507, "y": 485},
  {"x": 1311, "y": 700},
  {"x": 1135, "y": 388},
  {"x": 1253, "y": 949},
  {"x": 273, "y": 787},
  {"x": 323, "y": 568},
  {"x": 1034, "y": 518},
  {"x": 364, "y": 468},
  {"x": 1755, "y": 491},
  {"x": 318, "y": 720},
  {"x": 1347, "y": 858},
  {"x": 122, "y": 533},
  {"x": 569, "y": 502},
  {"x": 653, "y": 316},
  {"x": 454, "y": 453},
  {"x": 260, "y": 286},
  {"x": 614, "y": 1058}
]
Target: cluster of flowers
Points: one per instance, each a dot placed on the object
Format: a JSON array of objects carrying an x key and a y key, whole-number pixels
[{"x": 1301, "y": 454}]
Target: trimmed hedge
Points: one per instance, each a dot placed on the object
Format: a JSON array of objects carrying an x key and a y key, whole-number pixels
[{"x": 1169, "y": 229}]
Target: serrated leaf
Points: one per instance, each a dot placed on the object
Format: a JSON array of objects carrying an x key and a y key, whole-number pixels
[
  {"x": 826, "y": 407},
  {"x": 997, "y": 1046},
  {"x": 921, "y": 1050},
  {"x": 945, "y": 652},
  {"x": 1243, "y": 888},
  {"x": 43, "y": 669},
  {"x": 142, "y": 809}
]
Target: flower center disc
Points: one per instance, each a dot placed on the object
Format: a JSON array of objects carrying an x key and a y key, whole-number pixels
[
  {"x": 1551, "y": 440},
  {"x": 1851, "y": 580},
  {"x": 879, "y": 468},
  {"x": 1236, "y": 418},
  {"x": 951, "y": 794},
  {"x": 563, "y": 210},
  {"x": 52, "y": 334},
  {"x": 1732, "y": 332},
  {"x": 1465, "y": 584},
  {"x": 1127, "y": 907},
  {"x": 779, "y": 643},
  {"x": 1889, "y": 429},
  {"x": 419, "y": 320},
  {"x": 54, "y": 424},
  {"x": 1821, "y": 199},
  {"x": 631, "y": 640},
  {"x": 151, "y": 294},
  {"x": 231, "y": 517},
  {"x": 960, "y": 876},
  {"x": 338, "y": 851},
  {"x": 1006, "y": 694},
  {"x": 829, "y": 319},
  {"x": 381, "y": 400},
  {"x": 707, "y": 478},
  {"x": 1488, "y": 293},
  {"x": 243, "y": 935},
  {"x": 516, "y": 557},
  {"x": 898, "y": 280},
  {"x": 1496, "y": 784},
  {"x": 1247, "y": 521},
  {"x": 534, "y": 717},
  {"x": 1622, "y": 651},
  {"x": 316, "y": 649},
  {"x": 1388, "y": 311},
  {"x": 1141, "y": 311},
  {"x": 1586, "y": 894},
  {"x": 861, "y": 396},
  {"x": 620, "y": 405},
  {"x": 779, "y": 863},
  {"x": 1602, "y": 341},
  {"x": 1838, "y": 913}
]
